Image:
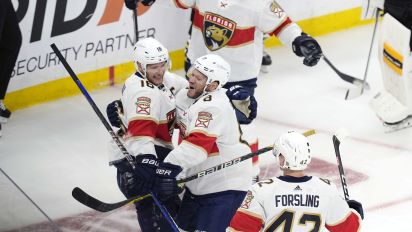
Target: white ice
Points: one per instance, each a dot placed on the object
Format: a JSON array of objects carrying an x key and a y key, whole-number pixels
[{"x": 51, "y": 148}]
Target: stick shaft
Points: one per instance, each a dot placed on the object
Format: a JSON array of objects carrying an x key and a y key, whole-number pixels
[
  {"x": 233, "y": 161},
  {"x": 370, "y": 49},
  {"x": 54, "y": 225},
  {"x": 336, "y": 144}
]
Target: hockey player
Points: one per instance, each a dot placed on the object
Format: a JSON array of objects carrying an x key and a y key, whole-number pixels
[
  {"x": 295, "y": 201},
  {"x": 211, "y": 136},
  {"x": 234, "y": 30},
  {"x": 148, "y": 104},
  {"x": 242, "y": 93},
  {"x": 393, "y": 105},
  {"x": 10, "y": 43}
]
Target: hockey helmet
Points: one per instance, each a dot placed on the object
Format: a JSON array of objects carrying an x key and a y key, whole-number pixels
[
  {"x": 214, "y": 67},
  {"x": 149, "y": 51},
  {"x": 295, "y": 149}
]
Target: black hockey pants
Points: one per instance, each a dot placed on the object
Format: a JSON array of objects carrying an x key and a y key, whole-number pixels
[{"x": 10, "y": 42}]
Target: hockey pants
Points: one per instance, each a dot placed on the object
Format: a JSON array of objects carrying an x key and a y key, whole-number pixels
[{"x": 209, "y": 212}]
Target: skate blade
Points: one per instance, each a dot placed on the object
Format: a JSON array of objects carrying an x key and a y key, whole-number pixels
[{"x": 407, "y": 122}]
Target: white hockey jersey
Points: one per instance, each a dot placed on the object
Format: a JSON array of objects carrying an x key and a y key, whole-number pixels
[
  {"x": 295, "y": 204},
  {"x": 150, "y": 112},
  {"x": 211, "y": 137},
  {"x": 233, "y": 29}
]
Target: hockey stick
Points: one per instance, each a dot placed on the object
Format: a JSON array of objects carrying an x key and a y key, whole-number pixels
[
  {"x": 337, "y": 138},
  {"x": 109, "y": 129},
  {"x": 345, "y": 77},
  {"x": 135, "y": 22},
  {"x": 233, "y": 161},
  {"x": 52, "y": 223},
  {"x": 99, "y": 205},
  {"x": 91, "y": 202},
  {"x": 358, "y": 90}
]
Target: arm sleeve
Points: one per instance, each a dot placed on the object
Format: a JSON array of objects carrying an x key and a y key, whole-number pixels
[
  {"x": 273, "y": 20},
  {"x": 142, "y": 111},
  {"x": 250, "y": 215},
  {"x": 177, "y": 82},
  {"x": 200, "y": 143},
  {"x": 184, "y": 4},
  {"x": 340, "y": 217}
]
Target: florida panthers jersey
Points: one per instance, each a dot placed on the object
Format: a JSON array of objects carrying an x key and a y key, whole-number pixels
[
  {"x": 211, "y": 137},
  {"x": 150, "y": 113},
  {"x": 295, "y": 204},
  {"x": 233, "y": 29}
]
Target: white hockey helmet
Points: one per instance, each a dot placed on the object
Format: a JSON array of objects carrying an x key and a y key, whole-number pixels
[
  {"x": 214, "y": 67},
  {"x": 149, "y": 51},
  {"x": 295, "y": 148}
]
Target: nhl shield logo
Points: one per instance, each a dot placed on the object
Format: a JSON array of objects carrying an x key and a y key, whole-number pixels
[{"x": 217, "y": 31}]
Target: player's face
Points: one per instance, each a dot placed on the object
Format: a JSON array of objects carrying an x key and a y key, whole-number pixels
[
  {"x": 155, "y": 73},
  {"x": 197, "y": 83}
]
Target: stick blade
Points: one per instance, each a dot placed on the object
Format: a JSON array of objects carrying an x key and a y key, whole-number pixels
[
  {"x": 353, "y": 93},
  {"x": 91, "y": 202},
  {"x": 358, "y": 90},
  {"x": 87, "y": 200}
]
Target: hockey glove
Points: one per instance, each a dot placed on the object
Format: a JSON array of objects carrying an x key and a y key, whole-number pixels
[
  {"x": 244, "y": 104},
  {"x": 138, "y": 181},
  {"x": 147, "y": 2},
  {"x": 113, "y": 111},
  {"x": 132, "y": 4},
  {"x": 356, "y": 206},
  {"x": 308, "y": 47},
  {"x": 165, "y": 184}
]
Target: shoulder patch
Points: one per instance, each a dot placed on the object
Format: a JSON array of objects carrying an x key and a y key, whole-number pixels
[
  {"x": 217, "y": 31},
  {"x": 143, "y": 105},
  {"x": 276, "y": 9},
  {"x": 203, "y": 119},
  {"x": 248, "y": 199}
]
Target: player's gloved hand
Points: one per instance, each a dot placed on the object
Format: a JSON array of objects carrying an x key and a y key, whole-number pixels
[
  {"x": 165, "y": 185},
  {"x": 113, "y": 112},
  {"x": 245, "y": 104},
  {"x": 132, "y": 4},
  {"x": 147, "y": 2},
  {"x": 138, "y": 181},
  {"x": 356, "y": 206},
  {"x": 308, "y": 47}
]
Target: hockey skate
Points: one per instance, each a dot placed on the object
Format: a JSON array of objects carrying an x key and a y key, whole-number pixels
[
  {"x": 266, "y": 62},
  {"x": 391, "y": 127},
  {"x": 394, "y": 115},
  {"x": 4, "y": 113}
]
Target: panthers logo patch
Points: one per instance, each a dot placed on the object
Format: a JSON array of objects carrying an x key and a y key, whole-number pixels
[
  {"x": 143, "y": 105},
  {"x": 217, "y": 31},
  {"x": 276, "y": 9},
  {"x": 203, "y": 119}
]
